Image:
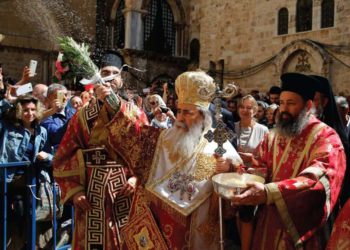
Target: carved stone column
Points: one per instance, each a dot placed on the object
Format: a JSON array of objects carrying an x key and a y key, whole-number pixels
[{"x": 133, "y": 28}]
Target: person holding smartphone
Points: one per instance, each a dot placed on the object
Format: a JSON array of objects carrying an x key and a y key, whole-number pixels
[
  {"x": 56, "y": 124},
  {"x": 22, "y": 139},
  {"x": 163, "y": 116}
]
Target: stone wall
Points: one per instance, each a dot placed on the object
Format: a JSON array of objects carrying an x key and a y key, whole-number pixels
[
  {"x": 29, "y": 30},
  {"x": 244, "y": 34}
]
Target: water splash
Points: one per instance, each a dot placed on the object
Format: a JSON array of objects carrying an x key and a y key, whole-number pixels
[{"x": 53, "y": 19}]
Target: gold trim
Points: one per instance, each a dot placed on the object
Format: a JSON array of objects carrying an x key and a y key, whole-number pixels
[
  {"x": 275, "y": 167},
  {"x": 316, "y": 171},
  {"x": 310, "y": 138},
  {"x": 205, "y": 167},
  {"x": 283, "y": 211},
  {"x": 324, "y": 181},
  {"x": 155, "y": 159},
  {"x": 297, "y": 165},
  {"x": 71, "y": 192},
  {"x": 151, "y": 185},
  {"x": 184, "y": 211}
]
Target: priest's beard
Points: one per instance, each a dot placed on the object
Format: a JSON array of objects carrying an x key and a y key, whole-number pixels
[
  {"x": 290, "y": 126},
  {"x": 181, "y": 141}
]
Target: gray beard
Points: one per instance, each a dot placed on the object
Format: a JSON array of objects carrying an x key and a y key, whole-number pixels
[
  {"x": 293, "y": 126},
  {"x": 184, "y": 141}
]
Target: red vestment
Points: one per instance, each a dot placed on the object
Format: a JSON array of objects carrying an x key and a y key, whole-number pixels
[
  {"x": 340, "y": 237},
  {"x": 85, "y": 163},
  {"x": 305, "y": 176}
]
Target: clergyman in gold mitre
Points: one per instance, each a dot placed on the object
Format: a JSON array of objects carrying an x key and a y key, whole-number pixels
[{"x": 195, "y": 87}]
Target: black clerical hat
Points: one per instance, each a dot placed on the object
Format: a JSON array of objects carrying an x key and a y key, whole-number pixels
[
  {"x": 112, "y": 58},
  {"x": 322, "y": 85},
  {"x": 301, "y": 84}
]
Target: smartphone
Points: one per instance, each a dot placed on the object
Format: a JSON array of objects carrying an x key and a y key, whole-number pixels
[
  {"x": 60, "y": 96},
  {"x": 24, "y": 89},
  {"x": 32, "y": 67},
  {"x": 146, "y": 90}
]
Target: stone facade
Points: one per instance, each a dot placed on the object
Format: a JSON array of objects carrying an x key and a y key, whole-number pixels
[
  {"x": 244, "y": 35},
  {"x": 238, "y": 39}
]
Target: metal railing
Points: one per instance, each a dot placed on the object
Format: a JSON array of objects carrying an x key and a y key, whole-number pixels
[{"x": 31, "y": 204}]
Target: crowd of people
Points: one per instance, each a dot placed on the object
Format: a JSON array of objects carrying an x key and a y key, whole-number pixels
[{"x": 137, "y": 167}]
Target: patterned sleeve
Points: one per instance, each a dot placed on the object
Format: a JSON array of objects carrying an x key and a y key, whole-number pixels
[
  {"x": 134, "y": 140},
  {"x": 68, "y": 164}
]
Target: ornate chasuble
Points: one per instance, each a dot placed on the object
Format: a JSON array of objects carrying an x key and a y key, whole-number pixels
[
  {"x": 304, "y": 178},
  {"x": 184, "y": 184},
  {"x": 85, "y": 162},
  {"x": 178, "y": 209}
]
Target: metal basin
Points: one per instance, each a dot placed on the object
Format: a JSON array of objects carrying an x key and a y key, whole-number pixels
[{"x": 228, "y": 185}]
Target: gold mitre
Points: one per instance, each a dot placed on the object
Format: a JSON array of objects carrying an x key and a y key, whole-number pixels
[{"x": 194, "y": 87}]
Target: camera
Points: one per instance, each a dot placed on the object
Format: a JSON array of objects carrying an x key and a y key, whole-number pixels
[{"x": 164, "y": 109}]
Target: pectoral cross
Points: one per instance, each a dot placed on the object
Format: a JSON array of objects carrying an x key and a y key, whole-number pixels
[
  {"x": 98, "y": 157},
  {"x": 221, "y": 133}
]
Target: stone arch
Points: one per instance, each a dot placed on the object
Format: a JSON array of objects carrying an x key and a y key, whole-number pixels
[
  {"x": 114, "y": 9},
  {"x": 304, "y": 56},
  {"x": 176, "y": 7}
]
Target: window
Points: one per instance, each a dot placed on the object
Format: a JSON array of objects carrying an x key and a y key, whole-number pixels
[
  {"x": 194, "y": 50},
  {"x": 327, "y": 13},
  {"x": 304, "y": 15},
  {"x": 119, "y": 30},
  {"x": 283, "y": 21},
  {"x": 159, "y": 33}
]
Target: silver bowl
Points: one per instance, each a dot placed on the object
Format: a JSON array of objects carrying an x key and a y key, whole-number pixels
[{"x": 227, "y": 185}]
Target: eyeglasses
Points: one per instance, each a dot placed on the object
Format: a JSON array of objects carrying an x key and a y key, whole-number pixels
[{"x": 153, "y": 103}]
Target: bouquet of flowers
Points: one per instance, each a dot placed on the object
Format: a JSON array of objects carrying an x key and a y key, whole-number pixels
[{"x": 74, "y": 61}]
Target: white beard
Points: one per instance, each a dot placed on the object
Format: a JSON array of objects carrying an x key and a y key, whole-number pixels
[{"x": 184, "y": 141}]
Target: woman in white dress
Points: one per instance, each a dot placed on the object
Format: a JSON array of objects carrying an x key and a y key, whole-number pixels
[
  {"x": 249, "y": 135},
  {"x": 249, "y": 132}
]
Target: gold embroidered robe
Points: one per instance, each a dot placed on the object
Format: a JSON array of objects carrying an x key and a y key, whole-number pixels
[
  {"x": 305, "y": 176},
  {"x": 100, "y": 176},
  {"x": 189, "y": 222}
]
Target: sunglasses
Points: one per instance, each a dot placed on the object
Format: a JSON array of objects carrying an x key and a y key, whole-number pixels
[{"x": 153, "y": 103}]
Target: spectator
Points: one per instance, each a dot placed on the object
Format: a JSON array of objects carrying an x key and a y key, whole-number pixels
[
  {"x": 232, "y": 107},
  {"x": 271, "y": 114},
  {"x": 249, "y": 135},
  {"x": 256, "y": 94},
  {"x": 163, "y": 119},
  {"x": 343, "y": 108},
  {"x": 260, "y": 115},
  {"x": 56, "y": 124},
  {"x": 40, "y": 92},
  {"x": 22, "y": 139},
  {"x": 85, "y": 97},
  {"x": 274, "y": 95},
  {"x": 76, "y": 102}
]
